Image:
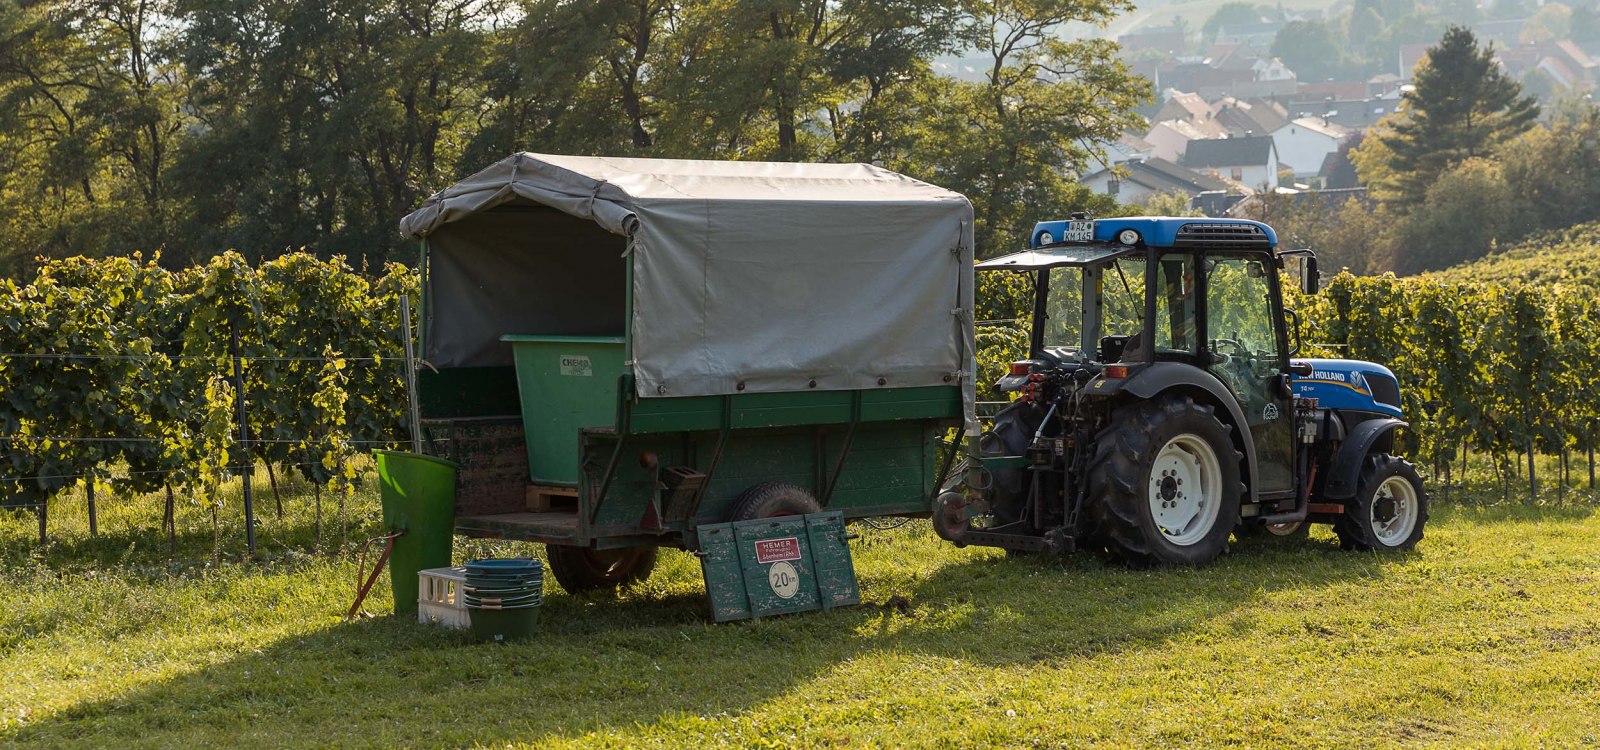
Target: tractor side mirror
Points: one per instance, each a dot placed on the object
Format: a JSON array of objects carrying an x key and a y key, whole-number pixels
[{"x": 1309, "y": 277}]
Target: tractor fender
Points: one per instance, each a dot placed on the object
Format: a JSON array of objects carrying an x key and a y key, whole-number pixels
[
  {"x": 1159, "y": 377},
  {"x": 1345, "y": 470}
]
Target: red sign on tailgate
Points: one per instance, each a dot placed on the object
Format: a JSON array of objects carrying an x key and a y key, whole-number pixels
[{"x": 775, "y": 550}]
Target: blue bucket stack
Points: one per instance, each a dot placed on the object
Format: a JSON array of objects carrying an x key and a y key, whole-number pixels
[{"x": 502, "y": 597}]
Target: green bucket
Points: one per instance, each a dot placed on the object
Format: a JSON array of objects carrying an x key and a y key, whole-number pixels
[{"x": 419, "y": 498}]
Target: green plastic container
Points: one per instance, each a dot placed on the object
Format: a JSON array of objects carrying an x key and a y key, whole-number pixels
[
  {"x": 419, "y": 498},
  {"x": 565, "y": 383},
  {"x": 503, "y": 624}
]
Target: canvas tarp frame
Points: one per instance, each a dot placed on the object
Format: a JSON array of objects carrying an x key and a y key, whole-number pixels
[{"x": 747, "y": 277}]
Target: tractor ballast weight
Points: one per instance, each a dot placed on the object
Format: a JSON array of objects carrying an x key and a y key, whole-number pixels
[{"x": 1160, "y": 408}]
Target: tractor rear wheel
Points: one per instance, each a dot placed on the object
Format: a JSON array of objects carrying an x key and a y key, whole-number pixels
[
  {"x": 580, "y": 569},
  {"x": 1164, "y": 484},
  {"x": 1389, "y": 509}
]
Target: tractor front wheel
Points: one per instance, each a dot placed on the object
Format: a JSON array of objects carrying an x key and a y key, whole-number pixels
[
  {"x": 1164, "y": 484},
  {"x": 1389, "y": 509},
  {"x": 580, "y": 569}
]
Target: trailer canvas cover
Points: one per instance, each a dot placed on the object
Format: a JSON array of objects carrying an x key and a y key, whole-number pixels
[{"x": 750, "y": 276}]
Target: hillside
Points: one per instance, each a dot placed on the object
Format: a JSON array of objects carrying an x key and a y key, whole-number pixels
[{"x": 1570, "y": 255}]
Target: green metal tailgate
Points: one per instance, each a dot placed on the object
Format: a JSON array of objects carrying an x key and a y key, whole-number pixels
[{"x": 774, "y": 566}]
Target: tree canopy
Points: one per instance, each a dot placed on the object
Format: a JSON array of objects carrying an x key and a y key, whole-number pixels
[
  {"x": 193, "y": 127},
  {"x": 1461, "y": 106}
]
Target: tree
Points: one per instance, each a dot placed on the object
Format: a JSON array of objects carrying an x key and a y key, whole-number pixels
[
  {"x": 1552, "y": 22},
  {"x": 1228, "y": 14},
  {"x": 1310, "y": 48},
  {"x": 92, "y": 103},
  {"x": 351, "y": 112},
  {"x": 1175, "y": 203},
  {"x": 1342, "y": 174},
  {"x": 1365, "y": 24},
  {"x": 1462, "y": 106},
  {"x": 1585, "y": 24},
  {"x": 1555, "y": 172},
  {"x": 272, "y": 126},
  {"x": 1014, "y": 142},
  {"x": 1466, "y": 214}
]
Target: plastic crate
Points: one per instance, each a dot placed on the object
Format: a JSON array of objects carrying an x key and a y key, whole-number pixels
[{"x": 439, "y": 598}]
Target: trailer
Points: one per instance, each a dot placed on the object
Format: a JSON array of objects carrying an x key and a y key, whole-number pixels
[{"x": 622, "y": 354}]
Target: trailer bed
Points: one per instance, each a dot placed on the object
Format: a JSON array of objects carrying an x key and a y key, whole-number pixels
[{"x": 551, "y": 527}]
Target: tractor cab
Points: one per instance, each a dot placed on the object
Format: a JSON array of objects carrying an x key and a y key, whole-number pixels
[
  {"x": 1116, "y": 296},
  {"x": 1158, "y": 407}
]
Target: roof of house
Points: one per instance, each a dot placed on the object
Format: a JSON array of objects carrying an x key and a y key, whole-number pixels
[
  {"x": 1320, "y": 125},
  {"x": 1231, "y": 55},
  {"x": 1163, "y": 176},
  {"x": 1134, "y": 142},
  {"x": 1575, "y": 54},
  {"x": 1190, "y": 129},
  {"x": 1254, "y": 117},
  {"x": 1183, "y": 105},
  {"x": 1253, "y": 151}
]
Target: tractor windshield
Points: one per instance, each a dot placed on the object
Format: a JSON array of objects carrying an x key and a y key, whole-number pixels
[
  {"x": 1109, "y": 324},
  {"x": 1121, "y": 292}
]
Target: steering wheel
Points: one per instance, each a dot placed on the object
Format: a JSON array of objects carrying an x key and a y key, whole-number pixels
[{"x": 1241, "y": 351}]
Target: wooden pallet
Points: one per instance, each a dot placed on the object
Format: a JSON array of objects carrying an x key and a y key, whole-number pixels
[{"x": 541, "y": 498}]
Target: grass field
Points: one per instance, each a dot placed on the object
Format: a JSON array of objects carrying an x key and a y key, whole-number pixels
[{"x": 1488, "y": 635}]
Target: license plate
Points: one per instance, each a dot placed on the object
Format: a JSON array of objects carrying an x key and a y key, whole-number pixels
[{"x": 1078, "y": 231}]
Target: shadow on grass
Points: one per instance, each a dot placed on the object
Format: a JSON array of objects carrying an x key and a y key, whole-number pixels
[{"x": 601, "y": 664}]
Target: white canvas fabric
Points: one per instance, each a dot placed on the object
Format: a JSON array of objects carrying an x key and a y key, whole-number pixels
[{"x": 753, "y": 276}]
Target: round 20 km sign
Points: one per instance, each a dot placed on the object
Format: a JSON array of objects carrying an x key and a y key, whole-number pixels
[{"x": 783, "y": 579}]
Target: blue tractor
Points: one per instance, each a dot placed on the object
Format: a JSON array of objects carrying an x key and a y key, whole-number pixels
[{"x": 1161, "y": 408}]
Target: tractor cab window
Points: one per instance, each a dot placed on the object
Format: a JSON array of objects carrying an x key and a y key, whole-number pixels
[
  {"x": 1175, "y": 328},
  {"x": 1118, "y": 286},
  {"x": 1239, "y": 315},
  {"x": 1242, "y": 334},
  {"x": 1063, "y": 324}
]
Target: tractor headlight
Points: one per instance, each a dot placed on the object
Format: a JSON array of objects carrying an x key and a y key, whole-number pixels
[
  {"x": 1044, "y": 239},
  {"x": 1128, "y": 237}
]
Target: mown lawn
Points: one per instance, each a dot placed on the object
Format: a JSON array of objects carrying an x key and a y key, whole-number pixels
[{"x": 1488, "y": 635}]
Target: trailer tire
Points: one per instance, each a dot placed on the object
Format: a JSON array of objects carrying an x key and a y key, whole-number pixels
[
  {"x": 580, "y": 569},
  {"x": 1127, "y": 500},
  {"x": 1294, "y": 531},
  {"x": 773, "y": 499},
  {"x": 1389, "y": 509}
]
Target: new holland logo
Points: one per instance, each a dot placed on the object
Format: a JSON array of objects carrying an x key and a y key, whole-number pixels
[{"x": 1269, "y": 412}]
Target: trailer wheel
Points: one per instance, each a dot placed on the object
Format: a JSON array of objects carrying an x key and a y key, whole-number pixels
[
  {"x": 773, "y": 499},
  {"x": 1292, "y": 531},
  {"x": 1389, "y": 509},
  {"x": 580, "y": 569},
  {"x": 1164, "y": 484}
]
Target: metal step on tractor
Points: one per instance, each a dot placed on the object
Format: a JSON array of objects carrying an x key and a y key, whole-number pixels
[{"x": 1161, "y": 409}]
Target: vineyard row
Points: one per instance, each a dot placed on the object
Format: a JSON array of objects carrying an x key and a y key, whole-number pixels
[{"x": 133, "y": 364}]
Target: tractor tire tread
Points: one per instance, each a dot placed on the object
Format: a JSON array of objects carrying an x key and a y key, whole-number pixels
[
  {"x": 1353, "y": 529},
  {"x": 1115, "y": 527}
]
